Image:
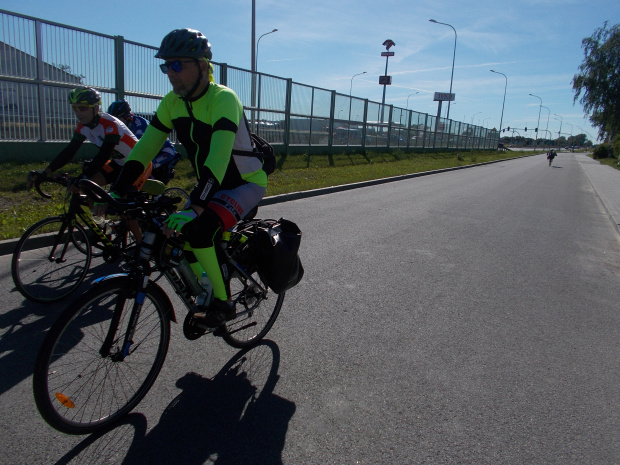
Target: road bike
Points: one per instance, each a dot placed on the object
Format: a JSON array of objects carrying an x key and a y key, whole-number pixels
[
  {"x": 103, "y": 354},
  {"x": 53, "y": 256}
]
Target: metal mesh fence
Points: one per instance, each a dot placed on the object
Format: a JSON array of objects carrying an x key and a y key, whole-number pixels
[{"x": 41, "y": 61}]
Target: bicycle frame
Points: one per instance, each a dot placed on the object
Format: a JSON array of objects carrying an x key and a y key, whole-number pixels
[{"x": 140, "y": 275}]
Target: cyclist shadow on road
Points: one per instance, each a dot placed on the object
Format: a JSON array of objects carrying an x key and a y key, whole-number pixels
[{"x": 232, "y": 418}]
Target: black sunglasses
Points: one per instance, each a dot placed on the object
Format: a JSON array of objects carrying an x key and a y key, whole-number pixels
[{"x": 176, "y": 65}]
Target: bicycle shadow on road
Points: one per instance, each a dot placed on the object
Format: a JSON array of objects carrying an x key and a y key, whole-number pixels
[
  {"x": 23, "y": 328},
  {"x": 232, "y": 418}
]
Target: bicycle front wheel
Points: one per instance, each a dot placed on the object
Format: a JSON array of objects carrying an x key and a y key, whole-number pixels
[
  {"x": 84, "y": 380},
  {"x": 51, "y": 260},
  {"x": 257, "y": 310}
]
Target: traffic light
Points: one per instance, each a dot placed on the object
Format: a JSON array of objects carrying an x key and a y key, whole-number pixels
[
  {"x": 525, "y": 129},
  {"x": 536, "y": 130},
  {"x": 508, "y": 128}
]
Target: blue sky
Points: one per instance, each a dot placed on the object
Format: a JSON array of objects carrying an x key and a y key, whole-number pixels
[{"x": 536, "y": 44}]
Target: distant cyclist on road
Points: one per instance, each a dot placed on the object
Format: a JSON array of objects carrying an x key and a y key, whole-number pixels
[
  {"x": 166, "y": 159},
  {"x": 551, "y": 155}
]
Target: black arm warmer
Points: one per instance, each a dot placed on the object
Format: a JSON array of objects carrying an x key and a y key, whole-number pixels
[
  {"x": 100, "y": 159},
  {"x": 132, "y": 169},
  {"x": 205, "y": 189},
  {"x": 66, "y": 154}
]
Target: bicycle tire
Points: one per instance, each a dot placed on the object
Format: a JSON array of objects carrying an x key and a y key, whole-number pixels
[
  {"x": 256, "y": 315},
  {"x": 76, "y": 389},
  {"x": 44, "y": 280}
]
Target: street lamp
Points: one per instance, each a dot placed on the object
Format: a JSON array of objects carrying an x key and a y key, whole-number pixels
[
  {"x": 548, "y": 114},
  {"x": 571, "y": 137},
  {"x": 501, "y": 119},
  {"x": 408, "y": 99},
  {"x": 257, "y": 44},
  {"x": 350, "y": 101},
  {"x": 351, "y": 87},
  {"x": 537, "y": 124},
  {"x": 561, "y": 120},
  {"x": 472, "y": 118},
  {"x": 453, "y": 57}
]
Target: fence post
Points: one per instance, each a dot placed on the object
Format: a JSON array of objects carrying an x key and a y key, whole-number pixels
[
  {"x": 389, "y": 123},
  {"x": 410, "y": 113},
  {"x": 224, "y": 74},
  {"x": 287, "y": 115},
  {"x": 330, "y": 136},
  {"x": 424, "y": 132},
  {"x": 40, "y": 88},
  {"x": 119, "y": 66},
  {"x": 365, "y": 124}
]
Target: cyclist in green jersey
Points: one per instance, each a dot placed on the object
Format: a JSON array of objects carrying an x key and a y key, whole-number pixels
[{"x": 209, "y": 121}]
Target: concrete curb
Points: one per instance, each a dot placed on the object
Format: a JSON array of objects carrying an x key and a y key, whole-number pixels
[{"x": 7, "y": 246}]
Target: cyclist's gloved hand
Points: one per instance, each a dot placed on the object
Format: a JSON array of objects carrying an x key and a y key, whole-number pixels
[
  {"x": 177, "y": 220},
  {"x": 34, "y": 176}
]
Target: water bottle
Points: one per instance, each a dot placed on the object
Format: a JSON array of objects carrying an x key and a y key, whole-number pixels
[
  {"x": 146, "y": 249},
  {"x": 204, "y": 298},
  {"x": 99, "y": 221},
  {"x": 190, "y": 278}
]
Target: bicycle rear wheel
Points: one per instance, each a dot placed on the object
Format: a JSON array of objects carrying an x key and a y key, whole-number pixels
[
  {"x": 79, "y": 390},
  {"x": 51, "y": 260},
  {"x": 257, "y": 311}
]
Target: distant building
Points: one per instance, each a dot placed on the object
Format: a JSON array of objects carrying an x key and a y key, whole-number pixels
[{"x": 19, "y": 102}]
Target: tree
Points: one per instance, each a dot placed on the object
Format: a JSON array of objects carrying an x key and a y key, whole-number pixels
[{"x": 597, "y": 86}]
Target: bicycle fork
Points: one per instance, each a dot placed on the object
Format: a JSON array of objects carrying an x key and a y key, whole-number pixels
[
  {"x": 142, "y": 279},
  {"x": 66, "y": 226},
  {"x": 122, "y": 351}
]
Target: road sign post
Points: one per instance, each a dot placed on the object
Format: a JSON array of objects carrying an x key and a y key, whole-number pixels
[{"x": 386, "y": 80}]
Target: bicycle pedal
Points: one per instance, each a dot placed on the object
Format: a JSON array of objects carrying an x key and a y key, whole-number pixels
[{"x": 192, "y": 330}]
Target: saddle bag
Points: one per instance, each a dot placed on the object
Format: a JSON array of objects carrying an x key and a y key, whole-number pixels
[{"x": 275, "y": 248}]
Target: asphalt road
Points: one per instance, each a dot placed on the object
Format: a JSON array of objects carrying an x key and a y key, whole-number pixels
[{"x": 463, "y": 317}]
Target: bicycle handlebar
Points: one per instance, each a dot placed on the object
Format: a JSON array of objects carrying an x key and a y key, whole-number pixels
[
  {"x": 62, "y": 179},
  {"x": 99, "y": 195}
]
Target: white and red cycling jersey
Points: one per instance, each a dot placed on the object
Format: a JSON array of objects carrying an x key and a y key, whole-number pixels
[{"x": 109, "y": 129}]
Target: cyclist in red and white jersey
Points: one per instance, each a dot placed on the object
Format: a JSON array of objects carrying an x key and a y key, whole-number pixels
[{"x": 113, "y": 138}]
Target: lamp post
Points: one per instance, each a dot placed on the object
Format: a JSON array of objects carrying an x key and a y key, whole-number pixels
[
  {"x": 501, "y": 119},
  {"x": 537, "y": 124},
  {"x": 453, "y": 57},
  {"x": 257, "y": 44},
  {"x": 548, "y": 114},
  {"x": 350, "y": 90},
  {"x": 571, "y": 137},
  {"x": 472, "y": 118},
  {"x": 254, "y": 66},
  {"x": 408, "y": 99},
  {"x": 561, "y": 120},
  {"x": 253, "y": 56}
]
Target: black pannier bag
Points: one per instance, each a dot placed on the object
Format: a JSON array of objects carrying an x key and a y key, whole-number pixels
[{"x": 275, "y": 248}]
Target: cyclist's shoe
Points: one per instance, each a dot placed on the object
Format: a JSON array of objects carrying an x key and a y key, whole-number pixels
[{"x": 217, "y": 313}]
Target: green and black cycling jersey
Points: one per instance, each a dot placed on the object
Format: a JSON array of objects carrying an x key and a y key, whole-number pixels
[{"x": 213, "y": 130}]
